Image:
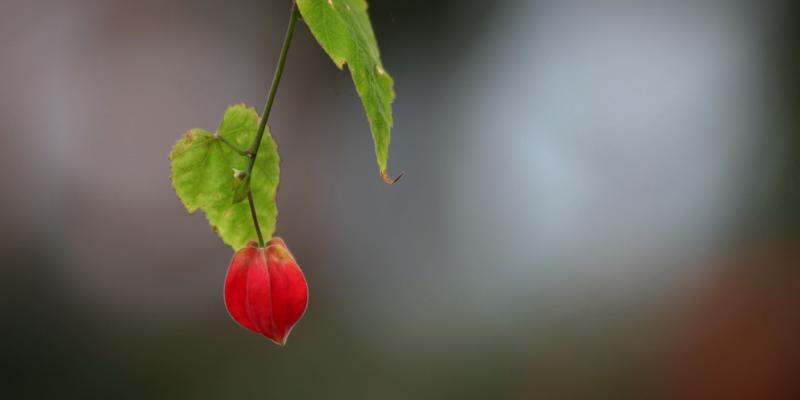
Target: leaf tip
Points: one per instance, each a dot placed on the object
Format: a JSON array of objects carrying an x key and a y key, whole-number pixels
[{"x": 389, "y": 180}]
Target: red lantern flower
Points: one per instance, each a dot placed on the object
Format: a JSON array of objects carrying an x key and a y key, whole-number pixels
[{"x": 265, "y": 290}]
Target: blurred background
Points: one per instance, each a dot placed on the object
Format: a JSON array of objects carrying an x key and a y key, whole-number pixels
[{"x": 601, "y": 200}]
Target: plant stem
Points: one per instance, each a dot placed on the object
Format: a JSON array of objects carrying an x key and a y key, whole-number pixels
[
  {"x": 255, "y": 220},
  {"x": 276, "y": 80}
]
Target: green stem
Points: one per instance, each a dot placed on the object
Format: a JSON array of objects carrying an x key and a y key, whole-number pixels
[
  {"x": 255, "y": 220},
  {"x": 276, "y": 80}
]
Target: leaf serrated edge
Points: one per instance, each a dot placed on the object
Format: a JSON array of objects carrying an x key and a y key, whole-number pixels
[{"x": 180, "y": 147}]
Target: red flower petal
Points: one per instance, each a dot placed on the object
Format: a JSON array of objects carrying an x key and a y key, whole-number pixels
[
  {"x": 265, "y": 290},
  {"x": 236, "y": 285},
  {"x": 289, "y": 289}
]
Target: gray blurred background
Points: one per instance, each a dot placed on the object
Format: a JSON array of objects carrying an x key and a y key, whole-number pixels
[{"x": 600, "y": 201}]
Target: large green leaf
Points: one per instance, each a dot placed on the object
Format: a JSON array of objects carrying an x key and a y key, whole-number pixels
[
  {"x": 203, "y": 169},
  {"x": 343, "y": 30}
]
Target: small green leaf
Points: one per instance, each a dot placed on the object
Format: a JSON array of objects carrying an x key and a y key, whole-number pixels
[
  {"x": 203, "y": 176},
  {"x": 241, "y": 185},
  {"x": 343, "y": 30}
]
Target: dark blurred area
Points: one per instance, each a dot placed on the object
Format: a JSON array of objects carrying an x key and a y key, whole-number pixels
[{"x": 601, "y": 201}]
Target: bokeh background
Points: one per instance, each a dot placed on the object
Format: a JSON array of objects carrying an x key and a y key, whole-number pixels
[{"x": 600, "y": 201}]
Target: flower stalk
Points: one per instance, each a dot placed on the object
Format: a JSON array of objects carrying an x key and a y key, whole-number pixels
[{"x": 276, "y": 80}]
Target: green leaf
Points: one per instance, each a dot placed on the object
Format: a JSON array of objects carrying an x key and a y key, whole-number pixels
[
  {"x": 203, "y": 176},
  {"x": 241, "y": 185},
  {"x": 343, "y": 30}
]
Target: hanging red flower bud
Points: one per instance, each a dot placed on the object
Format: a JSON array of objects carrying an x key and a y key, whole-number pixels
[{"x": 265, "y": 290}]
